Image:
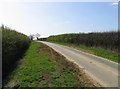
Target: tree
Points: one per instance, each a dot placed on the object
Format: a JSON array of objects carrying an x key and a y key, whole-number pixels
[
  {"x": 37, "y": 35},
  {"x": 2, "y": 26},
  {"x": 31, "y": 36}
]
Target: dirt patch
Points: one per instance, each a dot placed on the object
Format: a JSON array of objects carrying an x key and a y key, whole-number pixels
[
  {"x": 78, "y": 72},
  {"x": 48, "y": 79}
]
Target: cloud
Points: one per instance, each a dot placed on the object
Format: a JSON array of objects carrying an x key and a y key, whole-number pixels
[{"x": 115, "y": 3}]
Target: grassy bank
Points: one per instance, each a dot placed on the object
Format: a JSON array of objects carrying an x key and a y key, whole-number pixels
[
  {"x": 43, "y": 67},
  {"x": 111, "y": 55}
]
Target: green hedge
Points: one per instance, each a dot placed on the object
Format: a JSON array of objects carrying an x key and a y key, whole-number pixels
[
  {"x": 42, "y": 39},
  {"x": 107, "y": 40},
  {"x": 14, "y": 45}
]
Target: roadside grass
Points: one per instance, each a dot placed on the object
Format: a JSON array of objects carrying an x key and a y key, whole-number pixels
[
  {"x": 39, "y": 69},
  {"x": 108, "y": 54}
]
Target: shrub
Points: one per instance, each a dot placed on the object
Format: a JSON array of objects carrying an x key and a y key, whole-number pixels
[
  {"x": 14, "y": 45},
  {"x": 107, "y": 40},
  {"x": 42, "y": 39}
]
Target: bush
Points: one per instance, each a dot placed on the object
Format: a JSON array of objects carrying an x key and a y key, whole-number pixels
[
  {"x": 107, "y": 40},
  {"x": 14, "y": 45},
  {"x": 42, "y": 39}
]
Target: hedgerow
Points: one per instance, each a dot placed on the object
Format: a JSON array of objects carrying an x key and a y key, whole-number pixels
[
  {"x": 14, "y": 45},
  {"x": 107, "y": 40}
]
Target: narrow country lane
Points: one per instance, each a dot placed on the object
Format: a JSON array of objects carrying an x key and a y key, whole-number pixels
[{"x": 103, "y": 71}]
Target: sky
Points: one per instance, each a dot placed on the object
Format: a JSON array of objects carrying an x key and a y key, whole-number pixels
[{"x": 52, "y": 18}]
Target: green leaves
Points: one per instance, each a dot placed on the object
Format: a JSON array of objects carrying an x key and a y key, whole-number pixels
[
  {"x": 13, "y": 46},
  {"x": 107, "y": 40}
]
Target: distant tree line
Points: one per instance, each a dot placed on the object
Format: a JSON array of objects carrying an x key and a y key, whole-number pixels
[
  {"x": 42, "y": 39},
  {"x": 32, "y": 36},
  {"x": 107, "y": 40}
]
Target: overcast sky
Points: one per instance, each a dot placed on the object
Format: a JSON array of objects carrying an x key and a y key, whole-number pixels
[{"x": 51, "y": 18}]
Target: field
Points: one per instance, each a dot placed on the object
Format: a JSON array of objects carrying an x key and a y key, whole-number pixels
[{"x": 43, "y": 67}]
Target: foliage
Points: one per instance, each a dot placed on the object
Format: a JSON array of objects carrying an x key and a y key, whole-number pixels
[
  {"x": 42, "y": 39},
  {"x": 13, "y": 46},
  {"x": 31, "y": 36},
  {"x": 37, "y": 35},
  {"x": 39, "y": 69},
  {"x": 107, "y": 40}
]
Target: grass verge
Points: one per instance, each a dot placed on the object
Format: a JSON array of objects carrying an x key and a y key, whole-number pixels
[
  {"x": 110, "y": 55},
  {"x": 43, "y": 67}
]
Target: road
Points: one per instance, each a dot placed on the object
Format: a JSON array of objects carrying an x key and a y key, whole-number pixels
[{"x": 103, "y": 71}]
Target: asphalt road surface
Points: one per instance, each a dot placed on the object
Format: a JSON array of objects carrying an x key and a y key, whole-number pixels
[{"x": 103, "y": 71}]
